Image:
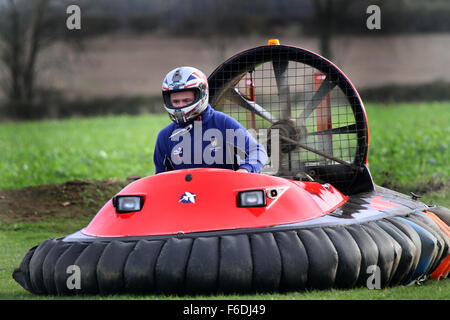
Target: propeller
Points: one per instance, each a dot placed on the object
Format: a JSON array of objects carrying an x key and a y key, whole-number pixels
[
  {"x": 280, "y": 69},
  {"x": 306, "y": 104}
]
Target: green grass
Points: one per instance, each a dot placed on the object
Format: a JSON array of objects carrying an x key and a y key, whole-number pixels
[
  {"x": 36, "y": 153},
  {"x": 410, "y": 144}
]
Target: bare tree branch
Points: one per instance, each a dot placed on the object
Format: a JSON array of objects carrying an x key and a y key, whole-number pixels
[
  {"x": 12, "y": 55},
  {"x": 35, "y": 42},
  {"x": 26, "y": 27}
]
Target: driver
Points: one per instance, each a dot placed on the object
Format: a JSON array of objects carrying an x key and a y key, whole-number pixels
[{"x": 199, "y": 136}]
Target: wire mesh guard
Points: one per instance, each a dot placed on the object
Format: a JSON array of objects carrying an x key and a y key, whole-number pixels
[{"x": 298, "y": 105}]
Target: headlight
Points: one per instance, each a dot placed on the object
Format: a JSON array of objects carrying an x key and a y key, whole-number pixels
[
  {"x": 125, "y": 204},
  {"x": 253, "y": 198}
]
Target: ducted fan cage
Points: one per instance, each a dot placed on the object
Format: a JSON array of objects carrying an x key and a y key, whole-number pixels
[{"x": 300, "y": 107}]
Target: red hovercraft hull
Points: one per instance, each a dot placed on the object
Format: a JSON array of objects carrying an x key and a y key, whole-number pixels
[
  {"x": 309, "y": 236},
  {"x": 163, "y": 213}
]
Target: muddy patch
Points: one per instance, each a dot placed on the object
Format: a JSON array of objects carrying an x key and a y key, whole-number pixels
[{"x": 72, "y": 199}]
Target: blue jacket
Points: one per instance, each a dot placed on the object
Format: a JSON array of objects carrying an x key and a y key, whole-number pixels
[{"x": 217, "y": 141}]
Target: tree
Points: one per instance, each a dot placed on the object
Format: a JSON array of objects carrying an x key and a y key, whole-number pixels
[
  {"x": 26, "y": 28},
  {"x": 22, "y": 35},
  {"x": 328, "y": 16}
]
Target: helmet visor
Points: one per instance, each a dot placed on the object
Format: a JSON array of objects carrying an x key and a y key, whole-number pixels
[{"x": 168, "y": 100}]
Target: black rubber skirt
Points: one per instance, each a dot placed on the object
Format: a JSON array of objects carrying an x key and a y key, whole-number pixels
[{"x": 384, "y": 252}]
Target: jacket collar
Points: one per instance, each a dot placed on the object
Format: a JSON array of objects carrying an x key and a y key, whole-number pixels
[{"x": 207, "y": 114}]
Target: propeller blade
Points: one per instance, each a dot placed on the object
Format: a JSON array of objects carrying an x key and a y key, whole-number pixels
[
  {"x": 236, "y": 97},
  {"x": 317, "y": 98},
  {"x": 280, "y": 68},
  {"x": 342, "y": 130}
]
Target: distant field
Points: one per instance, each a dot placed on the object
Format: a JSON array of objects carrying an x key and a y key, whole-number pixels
[
  {"x": 409, "y": 147},
  {"x": 133, "y": 65}
]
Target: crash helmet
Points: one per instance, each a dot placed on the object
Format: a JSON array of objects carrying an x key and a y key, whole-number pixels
[{"x": 185, "y": 79}]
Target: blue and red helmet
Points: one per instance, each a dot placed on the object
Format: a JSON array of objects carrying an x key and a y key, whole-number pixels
[{"x": 185, "y": 79}]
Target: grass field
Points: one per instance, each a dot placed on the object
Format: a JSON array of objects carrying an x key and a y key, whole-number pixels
[
  {"x": 409, "y": 150},
  {"x": 410, "y": 144},
  {"x": 47, "y": 152}
]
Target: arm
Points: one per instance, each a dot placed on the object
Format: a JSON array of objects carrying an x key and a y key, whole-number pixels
[
  {"x": 159, "y": 154},
  {"x": 254, "y": 155}
]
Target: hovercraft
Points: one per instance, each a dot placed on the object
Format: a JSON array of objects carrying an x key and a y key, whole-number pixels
[{"x": 313, "y": 219}]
